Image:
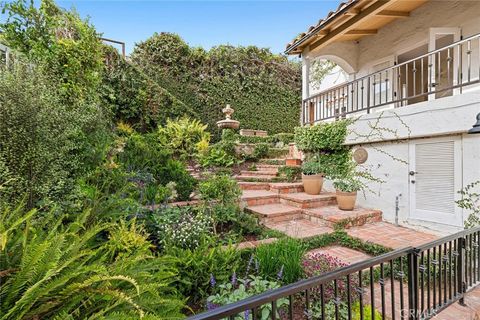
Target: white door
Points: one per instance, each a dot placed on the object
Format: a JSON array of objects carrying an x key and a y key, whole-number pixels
[
  {"x": 444, "y": 71},
  {"x": 435, "y": 177}
]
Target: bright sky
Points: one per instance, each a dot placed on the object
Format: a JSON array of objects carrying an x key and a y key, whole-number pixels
[{"x": 266, "y": 23}]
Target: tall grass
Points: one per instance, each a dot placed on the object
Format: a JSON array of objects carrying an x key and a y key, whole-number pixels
[{"x": 281, "y": 260}]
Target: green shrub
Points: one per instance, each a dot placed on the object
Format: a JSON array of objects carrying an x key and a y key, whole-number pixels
[
  {"x": 240, "y": 289},
  {"x": 56, "y": 269},
  {"x": 324, "y": 137},
  {"x": 283, "y": 256},
  {"x": 182, "y": 136},
  {"x": 219, "y": 188},
  {"x": 196, "y": 267},
  {"x": 349, "y": 184},
  {"x": 217, "y": 157},
  {"x": 45, "y": 143},
  {"x": 261, "y": 150},
  {"x": 316, "y": 311},
  {"x": 292, "y": 174}
]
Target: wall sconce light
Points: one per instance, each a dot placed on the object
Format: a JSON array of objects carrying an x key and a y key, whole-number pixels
[{"x": 476, "y": 126}]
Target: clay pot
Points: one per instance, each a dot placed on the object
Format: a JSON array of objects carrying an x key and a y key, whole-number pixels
[
  {"x": 312, "y": 183},
  {"x": 346, "y": 200}
]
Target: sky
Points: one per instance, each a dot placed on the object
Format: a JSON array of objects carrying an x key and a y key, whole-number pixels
[{"x": 269, "y": 24}]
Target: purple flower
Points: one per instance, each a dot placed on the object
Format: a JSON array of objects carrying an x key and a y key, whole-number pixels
[
  {"x": 250, "y": 261},
  {"x": 280, "y": 273},
  {"x": 246, "y": 314},
  {"x": 211, "y": 306},
  {"x": 213, "y": 282},
  {"x": 234, "y": 278}
]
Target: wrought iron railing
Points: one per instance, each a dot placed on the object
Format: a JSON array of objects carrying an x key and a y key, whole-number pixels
[
  {"x": 439, "y": 73},
  {"x": 408, "y": 283}
]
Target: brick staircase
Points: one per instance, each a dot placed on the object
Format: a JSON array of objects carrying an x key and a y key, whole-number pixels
[
  {"x": 286, "y": 208},
  {"x": 264, "y": 172}
]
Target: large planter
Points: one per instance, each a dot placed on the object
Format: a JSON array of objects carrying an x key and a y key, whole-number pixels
[
  {"x": 312, "y": 184},
  {"x": 346, "y": 200}
]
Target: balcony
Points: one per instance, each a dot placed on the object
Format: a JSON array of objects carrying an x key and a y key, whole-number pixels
[{"x": 451, "y": 70}]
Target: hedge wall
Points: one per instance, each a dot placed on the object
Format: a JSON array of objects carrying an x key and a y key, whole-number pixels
[
  {"x": 263, "y": 88},
  {"x": 136, "y": 99}
]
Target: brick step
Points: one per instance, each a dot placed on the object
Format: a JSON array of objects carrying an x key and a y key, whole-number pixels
[
  {"x": 305, "y": 201},
  {"x": 266, "y": 167},
  {"x": 258, "y": 178},
  {"x": 285, "y": 187},
  {"x": 252, "y": 198},
  {"x": 259, "y": 173},
  {"x": 332, "y": 215},
  {"x": 276, "y": 212},
  {"x": 274, "y": 161},
  {"x": 254, "y": 185}
]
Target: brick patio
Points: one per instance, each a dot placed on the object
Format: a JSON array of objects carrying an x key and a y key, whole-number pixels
[
  {"x": 344, "y": 254},
  {"x": 390, "y": 236}
]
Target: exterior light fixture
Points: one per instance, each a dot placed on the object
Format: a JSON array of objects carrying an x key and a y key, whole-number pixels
[{"x": 476, "y": 126}]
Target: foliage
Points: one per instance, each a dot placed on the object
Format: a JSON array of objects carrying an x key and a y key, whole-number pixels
[
  {"x": 182, "y": 136},
  {"x": 284, "y": 255},
  {"x": 348, "y": 184},
  {"x": 471, "y": 201},
  {"x": 182, "y": 227},
  {"x": 219, "y": 188},
  {"x": 255, "y": 81},
  {"x": 260, "y": 151},
  {"x": 152, "y": 164},
  {"x": 319, "y": 70},
  {"x": 240, "y": 289},
  {"x": 45, "y": 144},
  {"x": 52, "y": 268},
  {"x": 312, "y": 167},
  {"x": 336, "y": 164},
  {"x": 134, "y": 98},
  {"x": 324, "y": 137},
  {"x": 196, "y": 266},
  {"x": 319, "y": 263},
  {"x": 66, "y": 47},
  {"x": 217, "y": 157},
  {"x": 316, "y": 311},
  {"x": 291, "y": 174},
  {"x": 281, "y": 139}
]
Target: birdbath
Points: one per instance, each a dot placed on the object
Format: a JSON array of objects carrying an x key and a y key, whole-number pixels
[{"x": 228, "y": 122}]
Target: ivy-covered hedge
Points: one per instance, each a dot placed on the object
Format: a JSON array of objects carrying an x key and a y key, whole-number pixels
[
  {"x": 263, "y": 88},
  {"x": 136, "y": 99}
]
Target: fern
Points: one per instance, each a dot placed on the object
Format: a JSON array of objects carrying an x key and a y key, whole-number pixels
[{"x": 68, "y": 270}]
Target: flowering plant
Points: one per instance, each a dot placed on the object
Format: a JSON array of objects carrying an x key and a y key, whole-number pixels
[{"x": 320, "y": 263}]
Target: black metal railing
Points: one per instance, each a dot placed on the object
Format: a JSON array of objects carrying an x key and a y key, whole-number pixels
[
  {"x": 408, "y": 283},
  {"x": 439, "y": 73}
]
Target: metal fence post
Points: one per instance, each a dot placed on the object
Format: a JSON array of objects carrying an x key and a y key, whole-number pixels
[
  {"x": 461, "y": 270},
  {"x": 413, "y": 284}
]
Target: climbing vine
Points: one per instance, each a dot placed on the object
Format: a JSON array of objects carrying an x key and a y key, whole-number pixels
[{"x": 263, "y": 88}]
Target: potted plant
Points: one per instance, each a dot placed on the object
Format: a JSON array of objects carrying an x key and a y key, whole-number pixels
[
  {"x": 347, "y": 192},
  {"x": 312, "y": 177}
]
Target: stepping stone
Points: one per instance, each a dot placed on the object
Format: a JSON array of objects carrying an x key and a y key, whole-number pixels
[
  {"x": 390, "y": 236},
  {"x": 332, "y": 215},
  {"x": 267, "y": 166},
  {"x": 304, "y": 200},
  {"x": 344, "y": 254},
  {"x": 280, "y": 162},
  {"x": 259, "y": 197},
  {"x": 299, "y": 228},
  {"x": 254, "y": 185},
  {"x": 276, "y": 212}
]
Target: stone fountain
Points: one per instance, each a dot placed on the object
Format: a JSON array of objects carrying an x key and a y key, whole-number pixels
[{"x": 228, "y": 122}]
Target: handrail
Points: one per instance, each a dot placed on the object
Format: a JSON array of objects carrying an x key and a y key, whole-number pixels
[
  {"x": 461, "y": 252},
  {"x": 447, "y": 69}
]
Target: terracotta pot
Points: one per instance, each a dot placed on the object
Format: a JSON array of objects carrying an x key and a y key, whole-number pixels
[
  {"x": 346, "y": 200},
  {"x": 312, "y": 183}
]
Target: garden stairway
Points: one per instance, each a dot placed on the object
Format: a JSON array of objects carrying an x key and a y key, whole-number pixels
[
  {"x": 285, "y": 207},
  {"x": 263, "y": 172}
]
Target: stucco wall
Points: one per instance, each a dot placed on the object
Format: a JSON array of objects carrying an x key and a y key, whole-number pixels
[
  {"x": 404, "y": 34},
  {"x": 389, "y": 160}
]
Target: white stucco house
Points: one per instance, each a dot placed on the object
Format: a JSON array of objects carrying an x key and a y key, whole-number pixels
[{"x": 414, "y": 83}]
